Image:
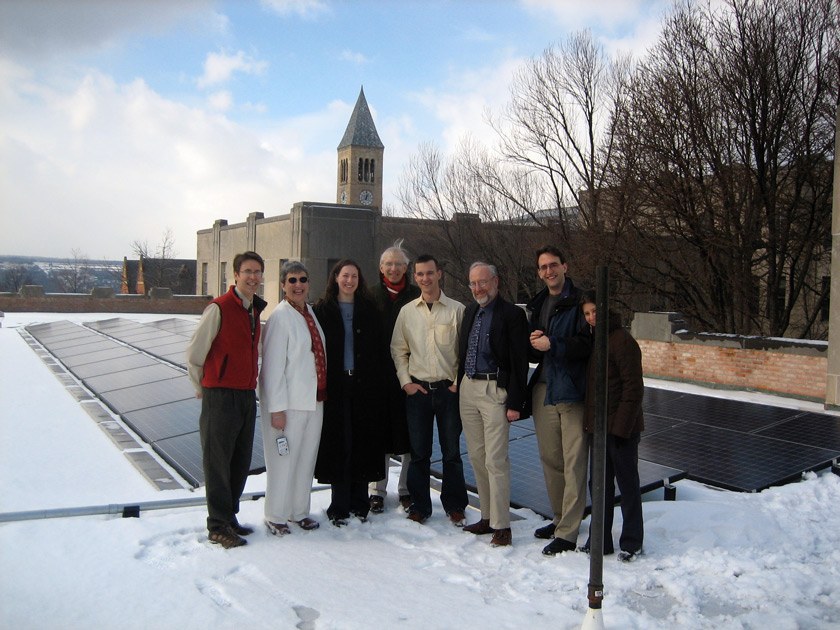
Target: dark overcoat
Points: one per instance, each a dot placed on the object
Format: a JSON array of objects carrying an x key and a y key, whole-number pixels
[
  {"x": 396, "y": 430},
  {"x": 367, "y": 459},
  {"x": 509, "y": 347},
  {"x": 625, "y": 385}
]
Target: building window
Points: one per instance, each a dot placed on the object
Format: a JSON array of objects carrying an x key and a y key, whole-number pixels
[
  {"x": 372, "y": 170},
  {"x": 361, "y": 168},
  {"x": 223, "y": 278},
  {"x": 203, "y": 278}
]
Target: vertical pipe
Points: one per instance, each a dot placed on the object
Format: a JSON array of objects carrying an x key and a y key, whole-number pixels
[{"x": 599, "y": 442}]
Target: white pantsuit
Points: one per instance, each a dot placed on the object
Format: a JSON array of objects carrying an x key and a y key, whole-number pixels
[
  {"x": 288, "y": 489},
  {"x": 288, "y": 382}
]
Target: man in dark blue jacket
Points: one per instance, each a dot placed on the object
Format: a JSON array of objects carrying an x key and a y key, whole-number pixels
[{"x": 558, "y": 388}]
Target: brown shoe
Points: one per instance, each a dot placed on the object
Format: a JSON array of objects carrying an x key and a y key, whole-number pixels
[
  {"x": 457, "y": 517},
  {"x": 502, "y": 538},
  {"x": 405, "y": 501},
  {"x": 226, "y": 537},
  {"x": 479, "y": 528},
  {"x": 278, "y": 529},
  {"x": 417, "y": 517},
  {"x": 307, "y": 523},
  {"x": 377, "y": 504}
]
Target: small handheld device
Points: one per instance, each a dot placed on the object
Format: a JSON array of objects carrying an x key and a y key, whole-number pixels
[{"x": 283, "y": 445}]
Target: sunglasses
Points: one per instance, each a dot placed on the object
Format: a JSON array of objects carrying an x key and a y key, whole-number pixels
[{"x": 303, "y": 280}]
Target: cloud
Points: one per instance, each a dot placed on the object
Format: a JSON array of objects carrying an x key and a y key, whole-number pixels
[
  {"x": 37, "y": 30},
  {"x": 303, "y": 8},
  {"x": 353, "y": 57},
  {"x": 219, "y": 67},
  {"x": 100, "y": 164}
]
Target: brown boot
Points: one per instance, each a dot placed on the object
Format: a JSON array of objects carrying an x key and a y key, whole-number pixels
[{"x": 479, "y": 527}]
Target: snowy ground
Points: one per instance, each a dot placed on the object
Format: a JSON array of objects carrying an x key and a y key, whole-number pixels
[{"x": 713, "y": 559}]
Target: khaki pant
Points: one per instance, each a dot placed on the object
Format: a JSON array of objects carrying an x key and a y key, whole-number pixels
[
  {"x": 482, "y": 406},
  {"x": 564, "y": 454}
]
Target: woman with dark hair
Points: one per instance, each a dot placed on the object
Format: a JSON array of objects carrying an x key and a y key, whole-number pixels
[
  {"x": 625, "y": 422},
  {"x": 352, "y": 448}
]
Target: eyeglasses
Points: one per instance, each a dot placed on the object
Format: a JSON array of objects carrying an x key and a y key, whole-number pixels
[
  {"x": 479, "y": 283},
  {"x": 303, "y": 280},
  {"x": 248, "y": 272},
  {"x": 552, "y": 265},
  {"x": 394, "y": 264}
]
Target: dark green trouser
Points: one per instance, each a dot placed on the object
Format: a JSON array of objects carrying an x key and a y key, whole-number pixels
[{"x": 227, "y": 437}]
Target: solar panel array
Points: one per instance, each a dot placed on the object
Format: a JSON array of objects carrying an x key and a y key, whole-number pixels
[{"x": 138, "y": 371}]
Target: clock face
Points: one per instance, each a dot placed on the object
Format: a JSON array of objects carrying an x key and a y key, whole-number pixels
[
  {"x": 366, "y": 197},
  {"x": 343, "y": 196}
]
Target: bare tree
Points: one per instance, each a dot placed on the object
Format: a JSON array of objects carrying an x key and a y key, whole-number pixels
[
  {"x": 729, "y": 144},
  {"x": 74, "y": 276},
  {"x": 13, "y": 277},
  {"x": 468, "y": 220},
  {"x": 159, "y": 266}
]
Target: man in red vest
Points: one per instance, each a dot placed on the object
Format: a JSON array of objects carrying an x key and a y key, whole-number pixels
[{"x": 222, "y": 358}]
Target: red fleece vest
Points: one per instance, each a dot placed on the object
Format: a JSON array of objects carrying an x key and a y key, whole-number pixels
[{"x": 232, "y": 360}]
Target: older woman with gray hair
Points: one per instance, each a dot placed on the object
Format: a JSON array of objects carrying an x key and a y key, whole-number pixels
[{"x": 293, "y": 386}]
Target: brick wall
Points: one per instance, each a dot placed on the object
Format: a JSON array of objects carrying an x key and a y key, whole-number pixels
[
  {"x": 765, "y": 370},
  {"x": 34, "y": 301},
  {"x": 789, "y": 367}
]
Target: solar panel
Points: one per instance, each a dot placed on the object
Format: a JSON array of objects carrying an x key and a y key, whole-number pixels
[
  {"x": 731, "y": 459},
  {"x": 130, "y": 378},
  {"x": 149, "y": 394},
  {"x": 720, "y": 412},
  {"x": 156, "y": 400},
  {"x": 813, "y": 429},
  {"x": 129, "y": 362},
  {"x": 167, "y": 420}
]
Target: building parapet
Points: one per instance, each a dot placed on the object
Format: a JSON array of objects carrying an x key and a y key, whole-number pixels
[{"x": 789, "y": 367}]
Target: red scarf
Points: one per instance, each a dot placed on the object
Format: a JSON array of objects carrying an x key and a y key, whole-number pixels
[
  {"x": 317, "y": 350},
  {"x": 394, "y": 289}
]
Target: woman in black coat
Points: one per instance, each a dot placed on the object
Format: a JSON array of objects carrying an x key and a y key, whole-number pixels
[
  {"x": 352, "y": 451},
  {"x": 625, "y": 422}
]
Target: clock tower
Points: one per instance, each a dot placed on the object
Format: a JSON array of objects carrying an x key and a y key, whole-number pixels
[{"x": 360, "y": 160}]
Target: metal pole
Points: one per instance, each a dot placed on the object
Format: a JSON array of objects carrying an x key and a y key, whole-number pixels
[{"x": 594, "y": 617}]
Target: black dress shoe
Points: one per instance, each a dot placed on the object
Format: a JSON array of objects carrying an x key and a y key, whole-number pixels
[
  {"x": 546, "y": 532},
  {"x": 405, "y": 501},
  {"x": 586, "y": 549},
  {"x": 558, "y": 545},
  {"x": 377, "y": 504},
  {"x": 628, "y": 556}
]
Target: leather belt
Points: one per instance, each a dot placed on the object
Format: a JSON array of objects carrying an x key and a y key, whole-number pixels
[
  {"x": 433, "y": 384},
  {"x": 478, "y": 376}
]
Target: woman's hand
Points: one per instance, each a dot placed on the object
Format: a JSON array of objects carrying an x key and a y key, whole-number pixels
[{"x": 278, "y": 420}]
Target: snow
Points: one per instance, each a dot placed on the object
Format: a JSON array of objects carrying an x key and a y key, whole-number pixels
[{"x": 713, "y": 559}]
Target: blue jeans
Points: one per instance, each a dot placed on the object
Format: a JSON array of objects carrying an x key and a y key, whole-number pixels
[{"x": 421, "y": 411}]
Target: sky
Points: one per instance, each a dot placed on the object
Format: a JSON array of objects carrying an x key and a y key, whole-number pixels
[
  {"x": 712, "y": 559},
  {"x": 122, "y": 120}
]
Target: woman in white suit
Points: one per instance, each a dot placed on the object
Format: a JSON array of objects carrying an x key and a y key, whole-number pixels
[{"x": 293, "y": 383}]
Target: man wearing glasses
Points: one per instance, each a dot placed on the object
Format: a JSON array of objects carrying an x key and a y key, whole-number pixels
[
  {"x": 392, "y": 293},
  {"x": 492, "y": 375},
  {"x": 222, "y": 358},
  {"x": 558, "y": 388}
]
